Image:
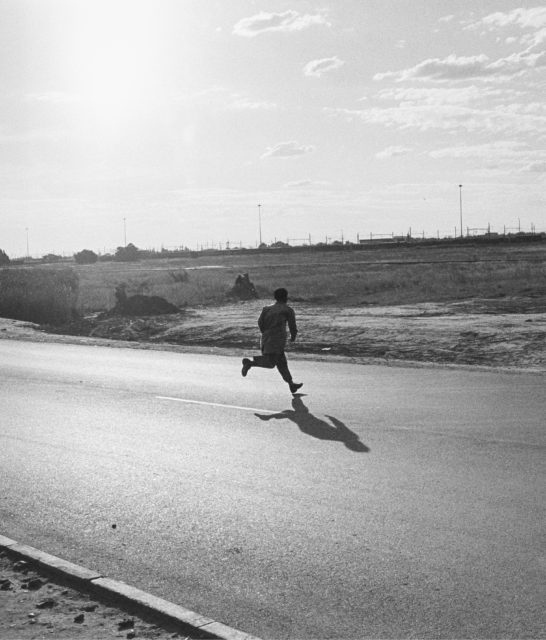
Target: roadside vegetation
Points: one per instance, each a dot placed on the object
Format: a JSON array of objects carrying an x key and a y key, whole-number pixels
[
  {"x": 381, "y": 276},
  {"x": 39, "y": 294}
]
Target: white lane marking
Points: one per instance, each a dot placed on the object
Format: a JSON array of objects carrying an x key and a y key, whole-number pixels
[
  {"x": 215, "y": 404},
  {"x": 464, "y": 436}
]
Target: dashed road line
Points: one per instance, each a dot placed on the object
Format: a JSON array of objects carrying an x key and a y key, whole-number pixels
[{"x": 215, "y": 404}]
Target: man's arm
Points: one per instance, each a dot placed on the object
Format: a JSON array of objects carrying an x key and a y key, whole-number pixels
[
  {"x": 261, "y": 320},
  {"x": 292, "y": 324}
]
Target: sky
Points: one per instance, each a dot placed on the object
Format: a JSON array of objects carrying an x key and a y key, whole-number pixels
[{"x": 170, "y": 123}]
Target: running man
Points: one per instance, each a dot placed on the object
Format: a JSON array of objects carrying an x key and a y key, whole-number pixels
[{"x": 272, "y": 323}]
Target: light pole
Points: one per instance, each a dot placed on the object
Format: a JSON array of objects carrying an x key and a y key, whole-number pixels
[
  {"x": 260, "y": 222},
  {"x": 461, "y": 206}
]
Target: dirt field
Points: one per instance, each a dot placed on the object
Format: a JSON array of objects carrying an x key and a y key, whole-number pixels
[{"x": 509, "y": 333}]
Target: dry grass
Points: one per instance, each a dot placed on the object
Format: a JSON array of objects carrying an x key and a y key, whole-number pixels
[
  {"x": 387, "y": 276},
  {"x": 39, "y": 295}
]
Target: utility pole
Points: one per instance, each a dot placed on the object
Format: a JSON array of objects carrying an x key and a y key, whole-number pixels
[
  {"x": 124, "y": 232},
  {"x": 461, "y": 206},
  {"x": 260, "y": 222},
  {"x": 28, "y": 251}
]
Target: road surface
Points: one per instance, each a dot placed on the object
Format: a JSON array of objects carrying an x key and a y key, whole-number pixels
[{"x": 384, "y": 503}]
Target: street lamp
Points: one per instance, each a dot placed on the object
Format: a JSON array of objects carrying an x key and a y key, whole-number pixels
[
  {"x": 461, "y": 206},
  {"x": 260, "y": 222}
]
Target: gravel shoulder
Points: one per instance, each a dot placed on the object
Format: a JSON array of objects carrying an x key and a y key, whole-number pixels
[{"x": 33, "y": 606}]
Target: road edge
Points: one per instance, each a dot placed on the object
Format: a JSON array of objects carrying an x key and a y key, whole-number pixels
[{"x": 140, "y": 602}]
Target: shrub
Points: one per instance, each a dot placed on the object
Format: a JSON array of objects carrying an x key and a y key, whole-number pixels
[
  {"x": 130, "y": 253},
  {"x": 39, "y": 295},
  {"x": 86, "y": 257},
  {"x": 51, "y": 257},
  {"x": 4, "y": 258}
]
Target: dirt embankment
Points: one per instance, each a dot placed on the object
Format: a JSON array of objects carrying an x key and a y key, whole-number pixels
[{"x": 500, "y": 332}]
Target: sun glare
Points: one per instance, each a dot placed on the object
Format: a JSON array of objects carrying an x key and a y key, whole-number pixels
[{"x": 120, "y": 67}]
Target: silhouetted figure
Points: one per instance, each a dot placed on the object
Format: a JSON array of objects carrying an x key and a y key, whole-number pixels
[
  {"x": 272, "y": 323},
  {"x": 317, "y": 428}
]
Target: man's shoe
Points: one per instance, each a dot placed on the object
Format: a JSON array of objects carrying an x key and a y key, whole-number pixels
[
  {"x": 294, "y": 386},
  {"x": 246, "y": 366}
]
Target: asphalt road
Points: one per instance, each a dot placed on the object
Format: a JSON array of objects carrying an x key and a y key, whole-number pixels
[{"x": 385, "y": 503}]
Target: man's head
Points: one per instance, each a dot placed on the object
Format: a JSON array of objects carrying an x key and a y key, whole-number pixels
[{"x": 280, "y": 295}]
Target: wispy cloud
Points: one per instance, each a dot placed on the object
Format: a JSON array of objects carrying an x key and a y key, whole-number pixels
[
  {"x": 287, "y": 150},
  {"x": 443, "y": 95},
  {"x": 251, "y": 105},
  {"x": 452, "y": 118},
  {"x": 305, "y": 184},
  {"x": 536, "y": 167},
  {"x": 508, "y": 155},
  {"x": 220, "y": 98},
  {"x": 53, "y": 97},
  {"x": 534, "y": 18},
  {"x": 466, "y": 67},
  {"x": 391, "y": 152},
  {"x": 532, "y": 22},
  {"x": 500, "y": 148},
  {"x": 285, "y": 22},
  {"x": 316, "y": 68}
]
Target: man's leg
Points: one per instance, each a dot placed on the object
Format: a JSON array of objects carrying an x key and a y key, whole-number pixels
[
  {"x": 282, "y": 366},
  {"x": 266, "y": 361}
]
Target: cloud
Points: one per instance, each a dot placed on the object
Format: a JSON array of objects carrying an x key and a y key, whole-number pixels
[
  {"x": 53, "y": 97},
  {"x": 284, "y": 22},
  {"x": 220, "y": 98},
  {"x": 316, "y": 68},
  {"x": 453, "y": 118},
  {"x": 507, "y": 155},
  {"x": 287, "y": 150},
  {"x": 466, "y": 67},
  {"x": 302, "y": 184},
  {"x": 536, "y": 167},
  {"x": 441, "y": 95},
  {"x": 449, "y": 68},
  {"x": 534, "y": 18},
  {"x": 391, "y": 152},
  {"x": 525, "y": 19},
  {"x": 245, "y": 104},
  {"x": 489, "y": 151}
]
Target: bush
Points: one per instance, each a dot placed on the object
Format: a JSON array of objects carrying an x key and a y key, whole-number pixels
[
  {"x": 4, "y": 258},
  {"x": 51, "y": 257},
  {"x": 86, "y": 257},
  {"x": 130, "y": 253},
  {"x": 39, "y": 295}
]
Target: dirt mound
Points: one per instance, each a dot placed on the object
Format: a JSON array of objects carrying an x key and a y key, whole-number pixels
[
  {"x": 243, "y": 289},
  {"x": 140, "y": 305}
]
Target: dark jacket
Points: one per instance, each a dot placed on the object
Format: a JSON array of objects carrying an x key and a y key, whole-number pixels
[{"x": 272, "y": 323}]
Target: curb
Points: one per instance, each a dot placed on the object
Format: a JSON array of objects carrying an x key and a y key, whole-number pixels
[{"x": 94, "y": 583}]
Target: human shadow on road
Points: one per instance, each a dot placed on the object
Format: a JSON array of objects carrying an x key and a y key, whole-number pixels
[{"x": 317, "y": 428}]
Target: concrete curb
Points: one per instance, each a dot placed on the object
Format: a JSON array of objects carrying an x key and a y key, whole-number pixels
[{"x": 94, "y": 583}]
